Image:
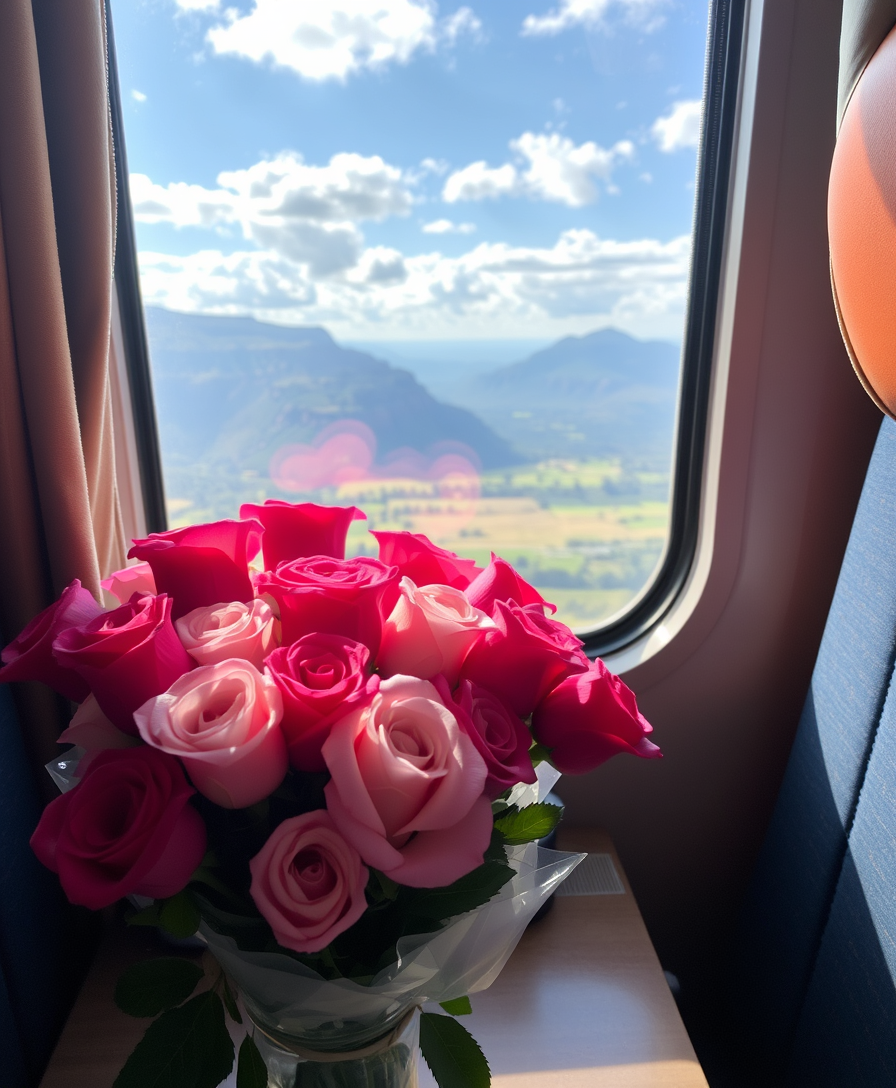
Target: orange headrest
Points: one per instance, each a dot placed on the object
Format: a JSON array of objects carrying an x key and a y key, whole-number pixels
[{"x": 862, "y": 225}]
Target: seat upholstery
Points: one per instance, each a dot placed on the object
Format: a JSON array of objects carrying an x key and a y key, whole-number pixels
[{"x": 805, "y": 860}]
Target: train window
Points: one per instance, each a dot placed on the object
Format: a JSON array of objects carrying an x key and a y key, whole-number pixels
[{"x": 438, "y": 261}]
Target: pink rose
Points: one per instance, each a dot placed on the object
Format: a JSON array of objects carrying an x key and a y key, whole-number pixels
[
  {"x": 296, "y": 530},
  {"x": 501, "y": 738},
  {"x": 321, "y": 677},
  {"x": 308, "y": 883},
  {"x": 423, "y": 562},
  {"x": 91, "y": 730},
  {"x": 137, "y": 578},
  {"x": 500, "y": 582},
  {"x": 521, "y": 658},
  {"x": 406, "y": 786},
  {"x": 202, "y": 564},
  {"x": 223, "y": 722},
  {"x": 349, "y": 597},
  {"x": 430, "y": 630},
  {"x": 127, "y": 828},
  {"x": 216, "y": 632},
  {"x": 30, "y": 656},
  {"x": 589, "y": 717},
  {"x": 126, "y": 656}
]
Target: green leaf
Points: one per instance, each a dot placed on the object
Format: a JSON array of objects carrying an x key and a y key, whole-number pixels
[
  {"x": 460, "y": 1006},
  {"x": 179, "y": 915},
  {"x": 466, "y": 894},
  {"x": 250, "y": 1070},
  {"x": 151, "y": 987},
  {"x": 539, "y": 754},
  {"x": 230, "y": 1003},
  {"x": 527, "y": 824},
  {"x": 452, "y": 1053},
  {"x": 187, "y": 1047},
  {"x": 149, "y": 916}
]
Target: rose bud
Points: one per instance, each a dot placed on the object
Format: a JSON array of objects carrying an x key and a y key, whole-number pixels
[
  {"x": 127, "y": 828},
  {"x": 500, "y": 582},
  {"x": 349, "y": 597},
  {"x": 423, "y": 562},
  {"x": 406, "y": 786},
  {"x": 202, "y": 564},
  {"x": 308, "y": 882},
  {"x": 30, "y": 656},
  {"x": 588, "y": 718},
  {"x": 126, "y": 656},
  {"x": 521, "y": 658},
  {"x": 222, "y": 721},
  {"x": 297, "y": 530},
  {"x": 430, "y": 631},
  {"x": 501, "y": 738},
  {"x": 124, "y": 583},
  {"x": 321, "y": 677},
  {"x": 216, "y": 632}
]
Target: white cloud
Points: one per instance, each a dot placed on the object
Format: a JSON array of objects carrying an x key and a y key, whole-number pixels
[
  {"x": 557, "y": 170},
  {"x": 335, "y": 39},
  {"x": 578, "y": 283},
  {"x": 198, "y": 5},
  {"x": 680, "y": 127},
  {"x": 138, "y": 96},
  {"x": 462, "y": 21},
  {"x": 306, "y": 213},
  {"x": 592, "y": 13},
  {"x": 446, "y": 226}
]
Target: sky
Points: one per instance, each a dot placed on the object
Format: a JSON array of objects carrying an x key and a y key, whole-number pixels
[{"x": 412, "y": 170}]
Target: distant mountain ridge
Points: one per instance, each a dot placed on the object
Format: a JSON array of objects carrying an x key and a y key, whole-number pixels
[{"x": 232, "y": 391}]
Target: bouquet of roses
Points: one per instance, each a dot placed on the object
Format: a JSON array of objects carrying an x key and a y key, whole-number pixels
[{"x": 331, "y": 769}]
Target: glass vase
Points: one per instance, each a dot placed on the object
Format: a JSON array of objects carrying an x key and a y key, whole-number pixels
[{"x": 388, "y": 1062}]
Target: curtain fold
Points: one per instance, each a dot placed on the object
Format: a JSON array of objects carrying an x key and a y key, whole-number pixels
[{"x": 57, "y": 227}]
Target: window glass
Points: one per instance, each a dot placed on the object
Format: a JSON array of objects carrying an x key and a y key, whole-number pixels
[{"x": 424, "y": 258}]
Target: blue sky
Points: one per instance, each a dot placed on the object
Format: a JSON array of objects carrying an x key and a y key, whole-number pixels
[{"x": 402, "y": 169}]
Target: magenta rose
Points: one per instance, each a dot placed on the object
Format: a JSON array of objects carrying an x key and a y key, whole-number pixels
[
  {"x": 202, "y": 564},
  {"x": 127, "y": 828},
  {"x": 521, "y": 658},
  {"x": 430, "y": 631},
  {"x": 124, "y": 583},
  {"x": 126, "y": 656},
  {"x": 321, "y": 677},
  {"x": 320, "y": 595},
  {"x": 30, "y": 656},
  {"x": 296, "y": 530},
  {"x": 590, "y": 717},
  {"x": 500, "y": 582},
  {"x": 501, "y": 738},
  {"x": 216, "y": 632},
  {"x": 406, "y": 786},
  {"x": 308, "y": 882},
  {"x": 423, "y": 562},
  {"x": 223, "y": 722}
]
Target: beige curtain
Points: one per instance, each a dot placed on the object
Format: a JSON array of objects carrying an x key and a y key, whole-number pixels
[{"x": 59, "y": 511}]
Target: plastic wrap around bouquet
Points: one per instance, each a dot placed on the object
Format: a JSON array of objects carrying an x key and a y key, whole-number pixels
[{"x": 332, "y": 771}]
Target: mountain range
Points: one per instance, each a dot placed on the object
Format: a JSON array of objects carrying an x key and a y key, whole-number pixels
[{"x": 231, "y": 392}]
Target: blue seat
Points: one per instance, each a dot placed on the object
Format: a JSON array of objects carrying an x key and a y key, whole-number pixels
[{"x": 814, "y": 998}]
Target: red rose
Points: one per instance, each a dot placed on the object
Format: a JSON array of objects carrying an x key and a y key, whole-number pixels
[
  {"x": 589, "y": 717},
  {"x": 350, "y": 597},
  {"x": 500, "y": 582},
  {"x": 423, "y": 562},
  {"x": 502, "y": 739},
  {"x": 321, "y": 677},
  {"x": 126, "y": 828},
  {"x": 202, "y": 564},
  {"x": 126, "y": 656},
  {"x": 30, "y": 656},
  {"x": 522, "y": 658},
  {"x": 295, "y": 530}
]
